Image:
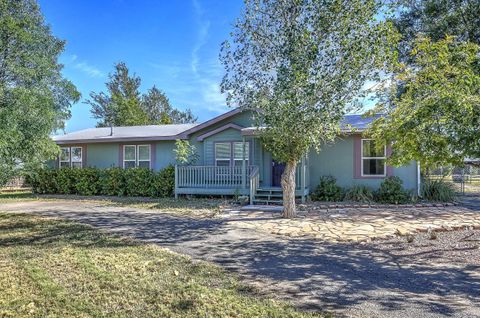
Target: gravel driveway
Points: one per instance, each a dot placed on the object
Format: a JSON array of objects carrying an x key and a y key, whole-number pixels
[{"x": 426, "y": 278}]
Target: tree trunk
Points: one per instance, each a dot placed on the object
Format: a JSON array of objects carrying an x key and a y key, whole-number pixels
[{"x": 288, "y": 187}]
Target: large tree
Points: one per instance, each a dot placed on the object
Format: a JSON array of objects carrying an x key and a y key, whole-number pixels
[
  {"x": 124, "y": 105},
  {"x": 121, "y": 105},
  {"x": 159, "y": 110},
  {"x": 298, "y": 65},
  {"x": 432, "y": 114},
  {"x": 35, "y": 99},
  {"x": 436, "y": 19}
]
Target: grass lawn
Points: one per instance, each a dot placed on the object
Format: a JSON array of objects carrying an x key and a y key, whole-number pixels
[
  {"x": 196, "y": 207},
  {"x": 55, "y": 268}
]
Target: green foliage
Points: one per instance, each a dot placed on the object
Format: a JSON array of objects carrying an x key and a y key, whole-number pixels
[
  {"x": 87, "y": 181},
  {"x": 164, "y": 182},
  {"x": 138, "y": 182},
  {"x": 124, "y": 105},
  {"x": 112, "y": 181},
  {"x": 185, "y": 153},
  {"x": 437, "y": 19},
  {"x": 328, "y": 190},
  {"x": 438, "y": 190},
  {"x": 360, "y": 193},
  {"x": 297, "y": 65},
  {"x": 35, "y": 99},
  {"x": 433, "y": 114},
  {"x": 391, "y": 191}
]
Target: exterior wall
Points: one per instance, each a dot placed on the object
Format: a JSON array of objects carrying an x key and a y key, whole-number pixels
[
  {"x": 338, "y": 160},
  {"x": 102, "y": 155},
  {"x": 164, "y": 154}
]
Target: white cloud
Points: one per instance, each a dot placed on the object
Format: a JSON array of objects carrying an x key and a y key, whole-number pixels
[
  {"x": 202, "y": 34},
  {"x": 84, "y": 67}
]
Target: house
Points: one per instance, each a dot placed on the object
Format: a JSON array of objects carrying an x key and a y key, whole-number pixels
[{"x": 232, "y": 159}]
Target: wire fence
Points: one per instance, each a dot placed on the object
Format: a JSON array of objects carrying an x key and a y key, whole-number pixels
[{"x": 465, "y": 179}]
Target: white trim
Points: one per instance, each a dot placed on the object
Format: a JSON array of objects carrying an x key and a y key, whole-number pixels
[
  {"x": 372, "y": 158},
  {"x": 70, "y": 160},
  {"x": 149, "y": 155},
  {"x": 134, "y": 160},
  {"x": 229, "y": 159},
  {"x": 137, "y": 152}
]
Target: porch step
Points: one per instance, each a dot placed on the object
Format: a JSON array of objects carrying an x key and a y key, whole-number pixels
[{"x": 268, "y": 196}]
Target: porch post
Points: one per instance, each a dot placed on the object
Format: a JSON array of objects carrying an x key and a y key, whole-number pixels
[
  {"x": 244, "y": 166},
  {"x": 302, "y": 179},
  {"x": 176, "y": 182}
]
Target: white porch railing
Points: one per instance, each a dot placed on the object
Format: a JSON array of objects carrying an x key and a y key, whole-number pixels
[
  {"x": 212, "y": 177},
  {"x": 254, "y": 183}
]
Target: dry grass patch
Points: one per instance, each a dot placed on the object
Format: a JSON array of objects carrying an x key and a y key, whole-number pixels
[{"x": 55, "y": 268}]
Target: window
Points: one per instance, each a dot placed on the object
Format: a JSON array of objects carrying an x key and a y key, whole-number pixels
[
  {"x": 136, "y": 156},
  {"x": 238, "y": 153},
  {"x": 223, "y": 154},
  {"x": 70, "y": 157},
  {"x": 373, "y": 159},
  {"x": 231, "y": 153}
]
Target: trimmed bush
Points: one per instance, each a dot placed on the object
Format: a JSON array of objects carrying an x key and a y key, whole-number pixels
[
  {"x": 391, "y": 191},
  {"x": 360, "y": 193},
  {"x": 328, "y": 190},
  {"x": 112, "y": 181},
  {"x": 438, "y": 190}
]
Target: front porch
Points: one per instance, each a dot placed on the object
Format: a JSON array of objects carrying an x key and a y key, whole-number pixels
[{"x": 235, "y": 180}]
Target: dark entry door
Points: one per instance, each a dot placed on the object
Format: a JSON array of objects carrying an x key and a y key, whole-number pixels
[{"x": 277, "y": 171}]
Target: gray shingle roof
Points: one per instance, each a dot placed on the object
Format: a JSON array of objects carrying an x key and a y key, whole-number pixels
[
  {"x": 357, "y": 122},
  {"x": 152, "y": 132}
]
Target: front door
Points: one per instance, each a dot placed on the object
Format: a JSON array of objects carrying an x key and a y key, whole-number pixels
[{"x": 277, "y": 171}]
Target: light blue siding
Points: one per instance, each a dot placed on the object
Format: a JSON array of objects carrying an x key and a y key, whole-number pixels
[
  {"x": 337, "y": 160},
  {"x": 164, "y": 154},
  {"x": 102, "y": 155}
]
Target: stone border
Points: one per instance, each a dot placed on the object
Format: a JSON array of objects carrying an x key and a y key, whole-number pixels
[{"x": 340, "y": 205}]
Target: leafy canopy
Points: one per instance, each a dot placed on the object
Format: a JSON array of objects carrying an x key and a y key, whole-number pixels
[
  {"x": 436, "y": 19},
  {"x": 299, "y": 64},
  {"x": 433, "y": 115},
  {"x": 124, "y": 105},
  {"x": 35, "y": 99}
]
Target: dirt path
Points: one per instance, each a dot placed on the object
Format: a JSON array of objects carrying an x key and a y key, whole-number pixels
[{"x": 439, "y": 278}]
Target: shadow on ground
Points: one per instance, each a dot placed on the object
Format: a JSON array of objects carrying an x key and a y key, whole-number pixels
[{"x": 356, "y": 280}]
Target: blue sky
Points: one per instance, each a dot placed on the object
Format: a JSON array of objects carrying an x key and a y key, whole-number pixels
[{"x": 171, "y": 44}]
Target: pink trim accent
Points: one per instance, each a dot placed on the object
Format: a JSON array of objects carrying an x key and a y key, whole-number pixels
[
  {"x": 120, "y": 155},
  {"x": 357, "y": 157},
  {"x": 219, "y": 129},
  {"x": 153, "y": 155},
  {"x": 389, "y": 168},
  {"x": 186, "y": 133},
  {"x": 84, "y": 156}
]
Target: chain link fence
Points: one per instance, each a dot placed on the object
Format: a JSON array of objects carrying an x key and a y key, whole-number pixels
[{"x": 465, "y": 179}]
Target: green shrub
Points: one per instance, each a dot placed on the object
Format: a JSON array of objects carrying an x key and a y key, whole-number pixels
[
  {"x": 113, "y": 181},
  {"x": 164, "y": 182},
  {"x": 328, "y": 190},
  {"x": 438, "y": 190},
  {"x": 360, "y": 193},
  {"x": 391, "y": 191},
  {"x": 88, "y": 181},
  {"x": 138, "y": 182}
]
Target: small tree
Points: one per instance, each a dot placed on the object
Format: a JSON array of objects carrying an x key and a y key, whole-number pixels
[
  {"x": 297, "y": 65},
  {"x": 432, "y": 112},
  {"x": 185, "y": 153}
]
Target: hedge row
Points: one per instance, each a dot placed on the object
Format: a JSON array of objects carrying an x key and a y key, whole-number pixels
[{"x": 113, "y": 181}]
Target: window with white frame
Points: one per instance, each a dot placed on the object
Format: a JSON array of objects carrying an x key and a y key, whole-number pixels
[
  {"x": 231, "y": 153},
  {"x": 136, "y": 156},
  {"x": 71, "y": 157},
  {"x": 238, "y": 153},
  {"x": 373, "y": 159},
  {"x": 223, "y": 154}
]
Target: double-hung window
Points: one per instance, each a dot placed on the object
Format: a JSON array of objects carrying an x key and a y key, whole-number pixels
[
  {"x": 231, "y": 153},
  {"x": 136, "y": 156},
  {"x": 373, "y": 159},
  {"x": 71, "y": 157}
]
